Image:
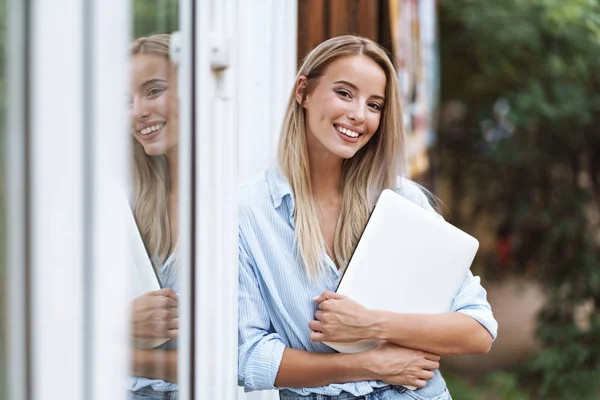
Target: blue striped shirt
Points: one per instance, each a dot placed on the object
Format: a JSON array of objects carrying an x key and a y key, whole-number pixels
[
  {"x": 168, "y": 277},
  {"x": 275, "y": 294}
]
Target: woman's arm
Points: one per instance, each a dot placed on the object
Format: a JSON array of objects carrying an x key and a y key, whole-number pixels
[
  {"x": 444, "y": 334},
  {"x": 264, "y": 361},
  {"x": 155, "y": 364},
  {"x": 388, "y": 362},
  {"x": 303, "y": 369},
  {"x": 470, "y": 328}
]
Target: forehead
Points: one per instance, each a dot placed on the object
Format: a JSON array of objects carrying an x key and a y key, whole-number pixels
[
  {"x": 359, "y": 70},
  {"x": 145, "y": 67}
]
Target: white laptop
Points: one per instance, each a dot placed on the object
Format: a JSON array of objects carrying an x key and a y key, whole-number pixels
[
  {"x": 142, "y": 274},
  {"x": 408, "y": 260}
]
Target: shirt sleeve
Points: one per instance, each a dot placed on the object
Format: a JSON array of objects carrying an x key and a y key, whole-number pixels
[
  {"x": 260, "y": 350},
  {"x": 472, "y": 301},
  {"x": 472, "y": 297}
]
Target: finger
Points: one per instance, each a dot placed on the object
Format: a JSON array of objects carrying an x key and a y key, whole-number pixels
[
  {"x": 420, "y": 383},
  {"x": 431, "y": 365},
  {"x": 426, "y": 375},
  {"x": 431, "y": 356},
  {"x": 161, "y": 292},
  {"x": 172, "y": 294},
  {"x": 173, "y": 333},
  {"x": 173, "y": 312},
  {"x": 316, "y": 326},
  {"x": 174, "y": 323},
  {"x": 326, "y": 305},
  {"x": 327, "y": 295},
  {"x": 317, "y": 336},
  {"x": 162, "y": 302},
  {"x": 319, "y": 315}
]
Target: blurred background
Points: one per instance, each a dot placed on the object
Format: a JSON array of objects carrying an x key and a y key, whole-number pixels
[{"x": 502, "y": 111}]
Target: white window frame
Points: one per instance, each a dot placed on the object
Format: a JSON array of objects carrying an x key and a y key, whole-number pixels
[
  {"x": 65, "y": 170},
  {"x": 215, "y": 239},
  {"x": 65, "y": 161}
]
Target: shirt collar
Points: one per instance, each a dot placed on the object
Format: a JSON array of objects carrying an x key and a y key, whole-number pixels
[
  {"x": 281, "y": 193},
  {"x": 280, "y": 189}
]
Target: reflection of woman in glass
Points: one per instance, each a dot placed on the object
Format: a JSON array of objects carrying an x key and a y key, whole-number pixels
[
  {"x": 154, "y": 126},
  {"x": 340, "y": 147}
]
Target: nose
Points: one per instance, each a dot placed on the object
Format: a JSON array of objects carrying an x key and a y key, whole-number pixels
[
  {"x": 357, "y": 113},
  {"x": 139, "y": 110}
]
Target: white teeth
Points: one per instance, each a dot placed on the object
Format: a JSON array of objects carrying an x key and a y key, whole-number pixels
[
  {"x": 150, "y": 129},
  {"x": 347, "y": 132}
]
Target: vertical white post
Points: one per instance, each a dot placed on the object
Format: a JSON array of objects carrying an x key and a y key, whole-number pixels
[
  {"x": 107, "y": 65},
  {"x": 58, "y": 174},
  {"x": 187, "y": 188},
  {"x": 66, "y": 164},
  {"x": 216, "y": 200},
  {"x": 267, "y": 53}
]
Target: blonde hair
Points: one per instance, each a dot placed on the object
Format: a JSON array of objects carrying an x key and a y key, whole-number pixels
[
  {"x": 151, "y": 177},
  {"x": 373, "y": 168}
]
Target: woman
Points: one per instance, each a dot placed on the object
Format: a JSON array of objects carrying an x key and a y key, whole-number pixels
[
  {"x": 155, "y": 130},
  {"x": 340, "y": 147}
]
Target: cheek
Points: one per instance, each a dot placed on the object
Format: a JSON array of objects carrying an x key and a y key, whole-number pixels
[
  {"x": 172, "y": 105},
  {"x": 327, "y": 108},
  {"x": 336, "y": 107},
  {"x": 161, "y": 106},
  {"x": 373, "y": 123}
]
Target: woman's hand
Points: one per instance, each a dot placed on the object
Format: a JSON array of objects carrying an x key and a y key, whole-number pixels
[
  {"x": 155, "y": 315},
  {"x": 339, "y": 319},
  {"x": 398, "y": 365}
]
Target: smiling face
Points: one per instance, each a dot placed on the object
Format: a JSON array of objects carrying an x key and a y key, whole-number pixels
[
  {"x": 153, "y": 107},
  {"x": 344, "y": 108}
]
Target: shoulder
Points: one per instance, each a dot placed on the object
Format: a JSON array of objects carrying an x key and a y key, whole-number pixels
[
  {"x": 258, "y": 198},
  {"x": 253, "y": 188},
  {"x": 254, "y": 193},
  {"x": 415, "y": 193}
]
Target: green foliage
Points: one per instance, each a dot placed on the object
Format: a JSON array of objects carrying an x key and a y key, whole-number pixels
[
  {"x": 155, "y": 16},
  {"x": 543, "y": 180},
  {"x": 496, "y": 386}
]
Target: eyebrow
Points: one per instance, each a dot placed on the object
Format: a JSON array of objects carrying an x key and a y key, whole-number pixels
[
  {"x": 353, "y": 86},
  {"x": 152, "y": 81}
]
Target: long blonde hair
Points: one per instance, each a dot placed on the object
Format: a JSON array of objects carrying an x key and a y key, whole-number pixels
[
  {"x": 374, "y": 168},
  {"x": 151, "y": 177}
]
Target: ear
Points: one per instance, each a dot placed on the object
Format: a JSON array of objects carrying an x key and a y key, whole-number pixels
[{"x": 301, "y": 88}]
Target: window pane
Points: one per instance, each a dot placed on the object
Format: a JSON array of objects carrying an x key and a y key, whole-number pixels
[{"x": 154, "y": 197}]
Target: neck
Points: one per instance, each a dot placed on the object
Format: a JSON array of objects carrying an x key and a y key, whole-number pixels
[
  {"x": 325, "y": 176},
  {"x": 173, "y": 161}
]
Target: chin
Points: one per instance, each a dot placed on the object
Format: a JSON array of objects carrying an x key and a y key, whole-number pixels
[
  {"x": 347, "y": 156},
  {"x": 153, "y": 151},
  {"x": 346, "y": 153}
]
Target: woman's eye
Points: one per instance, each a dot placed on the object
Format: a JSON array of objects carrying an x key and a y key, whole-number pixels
[
  {"x": 155, "y": 92},
  {"x": 344, "y": 93},
  {"x": 376, "y": 106}
]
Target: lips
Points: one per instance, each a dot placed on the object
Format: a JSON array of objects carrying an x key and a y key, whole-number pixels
[
  {"x": 347, "y": 134},
  {"x": 347, "y": 131},
  {"x": 150, "y": 130}
]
